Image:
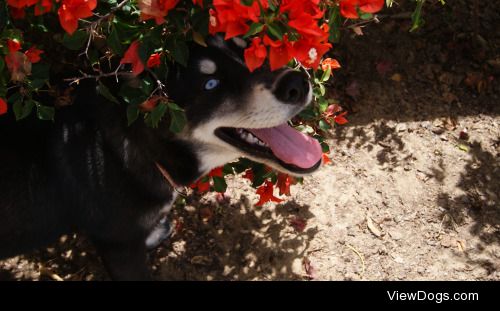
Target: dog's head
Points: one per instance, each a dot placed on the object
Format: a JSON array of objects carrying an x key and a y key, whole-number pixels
[{"x": 232, "y": 112}]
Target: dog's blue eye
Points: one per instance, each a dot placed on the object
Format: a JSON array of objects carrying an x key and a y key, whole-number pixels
[{"x": 211, "y": 84}]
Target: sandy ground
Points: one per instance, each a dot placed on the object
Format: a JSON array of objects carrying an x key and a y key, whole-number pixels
[{"x": 404, "y": 199}]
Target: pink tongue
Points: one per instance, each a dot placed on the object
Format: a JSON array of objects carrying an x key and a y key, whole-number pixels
[{"x": 290, "y": 145}]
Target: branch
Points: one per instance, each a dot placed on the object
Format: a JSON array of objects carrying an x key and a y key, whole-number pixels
[
  {"x": 84, "y": 76},
  {"x": 93, "y": 26}
]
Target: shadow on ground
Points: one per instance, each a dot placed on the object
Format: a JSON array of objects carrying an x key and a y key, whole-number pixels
[{"x": 237, "y": 241}]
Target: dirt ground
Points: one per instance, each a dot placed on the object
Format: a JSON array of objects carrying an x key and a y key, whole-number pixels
[{"x": 413, "y": 192}]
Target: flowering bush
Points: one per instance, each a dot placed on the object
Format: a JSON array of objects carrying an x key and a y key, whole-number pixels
[{"x": 42, "y": 40}]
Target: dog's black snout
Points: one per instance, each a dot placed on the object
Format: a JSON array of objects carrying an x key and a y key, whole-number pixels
[{"x": 292, "y": 88}]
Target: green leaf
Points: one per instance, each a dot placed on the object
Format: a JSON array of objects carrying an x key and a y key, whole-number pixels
[
  {"x": 132, "y": 114},
  {"x": 275, "y": 31},
  {"x": 177, "y": 118},
  {"x": 247, "y": 2},
  {"x": 416, "y": 17},
  {"x": 15, "y": 98},
  {"x": 157, "y": 114},
  {"x": 21, "y": 110},
  {"x": 106, "y": 93},
  {"x": 40, "y": 71},
  {"x": 115, "y": 43},
  {"x": 4, "y": 15},
  {"x": 322, "y": 104},
  {"x": 76, "y": 41},
  {"x": 325, "y": 147},
  {"x": 322, "y": 124},
  {"x": 131, "y": 95},
  {"x": 326, "y": 74},
  {"x": 322, "y": 90},
  {"x": 2, "y": 64},
  {"x": 45, "y": 112},
  {"x": 334, "y": 23},
  {"x": 37, "y": 83},
  {"x": 219, "y": 184},
  {"x": 181, "y": 52},
  {"x": 365, "y": 16},
  {"x": 307, "y": 114},
  {"x": 255, "y": 28},
  {"x": 126, "y": 31}
]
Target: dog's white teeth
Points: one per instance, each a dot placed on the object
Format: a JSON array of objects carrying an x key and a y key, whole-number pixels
[{"x": 250, "y": 138}]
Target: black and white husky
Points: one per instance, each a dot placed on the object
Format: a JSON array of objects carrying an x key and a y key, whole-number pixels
[{"x": 89, "y": 172}]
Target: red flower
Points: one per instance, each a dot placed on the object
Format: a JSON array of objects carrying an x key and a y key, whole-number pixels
[
  {"x": 154, "y": 60},
  {"x": 326, "y": 159},
  {"x": 231, "y": 16},
  {"x": 284, "y": 182},
  {"x": 216, "y": 172},
  {"x": 3, "y": 106},
  {"x": 306, "y": 25},
  {"x": 255, "y": 55},
  {"x": 132, "y": 57},
  {"x": 348, "y": 7},
  {"x": 33, "y": 54},
  {"x": 156, "y": 9},
  {"x": 280, "y": 52},
  {"x": 201, "y": 185},
  {"x": 13, "y": 45},
  {"x": 340, "y": 119},
  {"x": 266, "y": 194},
  {"x": 248, "y": 174},
  {"x": 71, "y": 11},
  {"x": 309, "y": 52},
  {"x": 150, "y": 104},
  {"x": 329, "y": 63},
  {"x": 19, "y": 4},
  {"x": 44, "y": 6}
]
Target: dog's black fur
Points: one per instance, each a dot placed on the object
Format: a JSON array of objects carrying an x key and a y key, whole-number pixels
[{"x": 89, "y": 172}]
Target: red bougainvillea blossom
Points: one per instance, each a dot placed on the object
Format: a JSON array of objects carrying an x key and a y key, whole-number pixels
[
  {"x": 256, "y": 54},
  {"x": 19, "y": 64},
  {"x": 19, "y": 4},
  {"x": 156, "y": 9},
  {"x": 203, "y": 184},
  {"x": 348, "y": 8},
  {"x": 154, "y": 61},
  {"x": 13, "y": 45},
  {"x": 329, "y": 63},
  {"x": 266, "y": 194},
  {"x": 284, "y": 182},
  {"x": 132, "y": 57},
  {"x": 306, "y": 41},
  {"x": 3, "y": 106},
  {"x": 71, "y": 11},
  {"x": 326, "y": 159},
  {"x": 231, "y": 17},
  {"x": 33, "y": 54}
]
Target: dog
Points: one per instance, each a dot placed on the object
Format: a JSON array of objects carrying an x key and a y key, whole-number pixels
[{"x": 91, "y": 173}]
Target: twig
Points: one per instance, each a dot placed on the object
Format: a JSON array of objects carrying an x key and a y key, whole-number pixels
[
  {"x": 375, "y": 19},
  {"x": 84, "y": 76},
  {"x": 160, "y": 87},
  {"x": 360, "y": 257},
  {"x": 93, "y": 26}
]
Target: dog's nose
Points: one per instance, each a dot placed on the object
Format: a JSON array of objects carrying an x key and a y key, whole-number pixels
[{"x": 292, "y": 88}]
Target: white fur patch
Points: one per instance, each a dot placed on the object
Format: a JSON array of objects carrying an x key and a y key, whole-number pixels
[{"x": 208, "y": 67}]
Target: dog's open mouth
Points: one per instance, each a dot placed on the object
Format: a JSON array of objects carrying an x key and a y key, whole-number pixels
[{"x": 295, "y": 151}]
